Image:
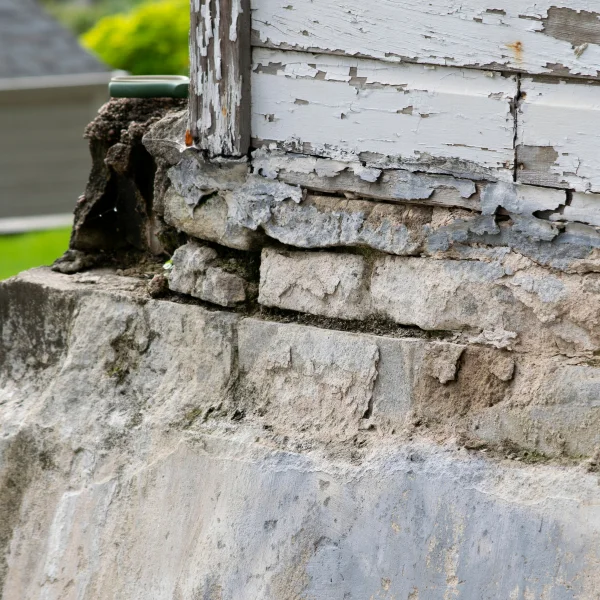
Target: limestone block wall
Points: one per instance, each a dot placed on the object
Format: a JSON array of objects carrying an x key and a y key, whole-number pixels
[{"x": 158, "y": 449}]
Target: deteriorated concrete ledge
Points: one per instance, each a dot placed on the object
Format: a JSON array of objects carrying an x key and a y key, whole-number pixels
[
  {"x": 153, "y": 449},
  {"x": 351, "y": 381}
]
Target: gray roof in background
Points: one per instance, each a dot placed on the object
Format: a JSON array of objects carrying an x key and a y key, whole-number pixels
[{"x": 32, "y": 43}]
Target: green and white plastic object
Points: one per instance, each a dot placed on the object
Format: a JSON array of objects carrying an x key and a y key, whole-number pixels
[{"x": 149, "y": 86}]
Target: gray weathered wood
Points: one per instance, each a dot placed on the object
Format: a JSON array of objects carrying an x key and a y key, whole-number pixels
[
  {"x": 220, "y": 76},
  {"x": 340, "y": 177},
  {"x": 534, "y": 166}
]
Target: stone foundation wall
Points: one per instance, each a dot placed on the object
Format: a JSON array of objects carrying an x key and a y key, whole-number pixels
[{"x": 347, "y": 383}]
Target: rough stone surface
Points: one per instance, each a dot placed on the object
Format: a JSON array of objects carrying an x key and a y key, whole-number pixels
[
  {"x": 116, "y": 210},
  {"x": 152, "y": 446},
  {"x": 437, "y": 294},
  {"x": 158, "y": 449},
  {"x": 325, "y": 284},
  {"x": 325, "y": 221},
  {"x": 496, "y": 299},
  {"x": 321, "y": 380},
  {"x": 195, "y": 273},
  {"x": 208, "y": 221},
  {"x": 241, "y": 207}
]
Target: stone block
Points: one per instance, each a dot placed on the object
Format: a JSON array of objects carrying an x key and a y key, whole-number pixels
[
  {"x": 437, "y": 294},
  {"x": 342, "y": 382},
  {"x": 209, "y": 221},
  {"x": 554, "y": 409},
  {"x": 322, "y": 381},
  {"x": 190, "y": 263},
  {"x": 504, "y": 302},
  {"x": 332, "y": 285},
  {"x": 220, "y": 287},
  {"x": 326, "y": 221},
  {"x": 196, "y": 273}
]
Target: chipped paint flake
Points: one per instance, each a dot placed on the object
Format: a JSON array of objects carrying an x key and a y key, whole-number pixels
[
  {"x": 584, "y": 208},
  {"x": 520, "y": 199}
]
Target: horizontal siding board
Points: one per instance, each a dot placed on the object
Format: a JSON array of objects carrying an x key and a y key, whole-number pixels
[
  {"x": 44, "y": 159},
  {"x": 342, "y": 177},
  {"x": 41, "y": 120},
  {"x": 542, "y": 37},
  {"x": 558, "y": 125},
  {"x": 420, "y": 117},
  {"x": 60, "y": 200},
  {"x": 74, "y": 153}
]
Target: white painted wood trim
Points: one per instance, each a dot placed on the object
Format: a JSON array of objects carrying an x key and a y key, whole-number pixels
[
  {"x": 539, "y": 37},
  {"x": 438, "y": 120},
  {"x": 352, "y": 178}
]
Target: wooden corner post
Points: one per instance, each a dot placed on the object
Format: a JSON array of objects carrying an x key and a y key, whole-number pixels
[{"x": 220, "y": 60}]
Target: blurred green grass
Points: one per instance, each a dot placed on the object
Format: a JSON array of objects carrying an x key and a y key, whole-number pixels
[{"x": 26, "y": 250}]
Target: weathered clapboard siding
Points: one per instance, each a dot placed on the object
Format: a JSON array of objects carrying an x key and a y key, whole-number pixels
[
  {"x": 541, "y": 37},
  {"x": 44, "y": 159},
  {"x": 442, "y": 120},
  {"x": 558, "y": 125},
  {"x": 220, "y": 72}
]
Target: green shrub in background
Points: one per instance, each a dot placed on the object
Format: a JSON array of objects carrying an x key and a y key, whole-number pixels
[
  {"x": 80, "y": 17},
  {"x": 152, "y": 39}
]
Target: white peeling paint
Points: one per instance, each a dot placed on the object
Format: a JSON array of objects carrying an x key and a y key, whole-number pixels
[
  {"x": 219, "y": 67},
  {"x": 236, "y": 11},
  {"x": 565, "y": 117},
  {"x": 504, "y": 35},
  {"x": 271, "y": 163},
  {"x": 584, "y": 208},
  {"x": 217, "y": 60},
  {"x": 344, "y": 107},
  {"x": 520, "y": 199}
]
